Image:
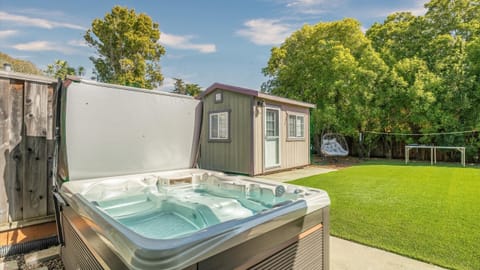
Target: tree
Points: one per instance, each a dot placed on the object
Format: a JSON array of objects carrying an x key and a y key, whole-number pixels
[
  {"x": 193, "y": 89},
  {"x": 60, "y": 69},
  {"x": 332, "y": 65},
  {"x": 409, "y": 74},
  {"x": 81, "y": 71},
  {"x": 19, "y": 65},
  {"x": 434, "y": 55},
  {"x": 401, "y": 35},
  {"x": 454, "y": 17},
  {"x": 127, "y": 47},
  {"x": 190, "y": 89}
]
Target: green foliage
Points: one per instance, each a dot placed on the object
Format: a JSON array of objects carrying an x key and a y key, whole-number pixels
[
  {"x": 81, "y": 71},
  {"x": 128, "y": 48},
  {"x": 454, "y": 17},
  {"x": 445, "y": 40},
  {"x": 406, "y": 97},
  {"x": 19, "y": 65},
  {"x": 401, "y": 35},
  {"x": 473, "y": 52},
  {"x": 183, "y": 88},
  {"x": 409, "y": 74},
  {"x": 60, "y": 69},
  {"x": 332, "y": 65},
  {"x": 424, "y": 212}
]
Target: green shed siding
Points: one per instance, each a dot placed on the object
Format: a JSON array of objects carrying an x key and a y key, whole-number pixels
[{"x": 235, "y": 155}]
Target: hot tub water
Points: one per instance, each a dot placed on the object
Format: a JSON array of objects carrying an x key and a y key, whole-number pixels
[{"x": 165, "y": 209}]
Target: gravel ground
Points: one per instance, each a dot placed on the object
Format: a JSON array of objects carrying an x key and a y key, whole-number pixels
[{"x": 53, "y": 264}]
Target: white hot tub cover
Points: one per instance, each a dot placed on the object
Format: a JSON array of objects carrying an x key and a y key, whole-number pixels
[{"x": 111, "y": 130}]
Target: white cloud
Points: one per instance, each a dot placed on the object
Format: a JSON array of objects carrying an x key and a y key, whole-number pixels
[
  {"x": 77, "y": 43},
  {"x": 167, "y": 85},
  {"x": 306, "y": 3},
  {"x": 41, "y": 45},
  {"x": 45, "y": 13},
  {"x": 185, "y": 43},
  {"x": 350, "y": 8},
  {"x": 37, "y": 22},
  {"x": 265, "y": 31},
  {"x": 416, "y": 9},
  {"x": 313, "y": 7},
  {"x": 7, "y": 33}
]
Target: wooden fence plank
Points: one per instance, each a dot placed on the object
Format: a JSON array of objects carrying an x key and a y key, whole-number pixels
[
  {"x": 36, "y": 99},
  {"x": 4, "y": 86},
  {"x": 15, "y": 167},
  {"x": 50, "y": 152},
  {"x": 50, "y": 111},
  {"x": 50, "y": 146},
  {"x": 15, "y": 180},
  {"x": 4, "y": 136},
  {"x": 35, "y": 184},
  {"x": 15, "y": 106}
]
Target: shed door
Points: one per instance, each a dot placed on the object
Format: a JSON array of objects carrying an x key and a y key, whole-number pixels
[{"x": 272, "y": 138}]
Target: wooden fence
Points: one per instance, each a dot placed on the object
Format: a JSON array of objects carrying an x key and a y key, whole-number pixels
[{"x": 26, "y": 146}]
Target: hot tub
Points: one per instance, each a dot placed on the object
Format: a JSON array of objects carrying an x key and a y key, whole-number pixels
[{"x": 128, "y": 195}]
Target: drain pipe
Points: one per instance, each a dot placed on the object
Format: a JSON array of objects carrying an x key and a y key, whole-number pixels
[{"x": 27, "y": 247}]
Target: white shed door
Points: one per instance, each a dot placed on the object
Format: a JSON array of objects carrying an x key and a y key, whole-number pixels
[{"x": 272, "y": 138}]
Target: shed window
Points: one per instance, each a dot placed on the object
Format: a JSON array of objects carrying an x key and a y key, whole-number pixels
[
  {"x": 218, "y": 97},
  {"x": 218, "y": 128},
  {"x": 296, "y": 126}
]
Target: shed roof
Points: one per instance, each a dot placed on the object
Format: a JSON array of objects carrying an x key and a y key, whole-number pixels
[{"x": 255, "y": 93}]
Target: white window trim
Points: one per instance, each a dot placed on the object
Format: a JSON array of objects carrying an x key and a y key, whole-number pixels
[
  {"x": 297, "y": 115},
  {"x": 210, "y": 115}
]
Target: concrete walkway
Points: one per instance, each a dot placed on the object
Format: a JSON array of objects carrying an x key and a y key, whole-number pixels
[
  {"x": 297, "y": 173},
  {"x": 347, "y": 255}
]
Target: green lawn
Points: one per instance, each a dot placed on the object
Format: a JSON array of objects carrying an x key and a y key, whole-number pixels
[{"x": 430, "y": 213}]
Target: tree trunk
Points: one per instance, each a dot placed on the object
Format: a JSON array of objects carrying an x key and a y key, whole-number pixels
[
  {"x": 387, "y": 147},
  {"x": 317, "y": 143}
]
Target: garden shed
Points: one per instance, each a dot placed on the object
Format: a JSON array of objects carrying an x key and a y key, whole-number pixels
[{"x": 249, "y": 132}]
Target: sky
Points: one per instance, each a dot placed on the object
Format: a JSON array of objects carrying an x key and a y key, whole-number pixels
[{"x": 206, "y": 41}]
